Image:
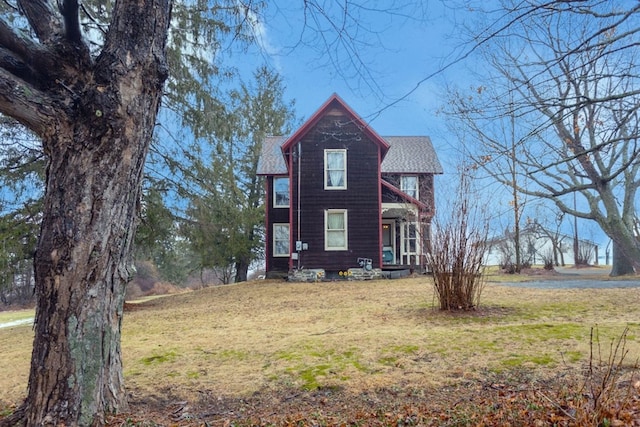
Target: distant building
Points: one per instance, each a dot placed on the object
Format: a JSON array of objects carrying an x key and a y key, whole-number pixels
[{"x": 539, "y": 245}]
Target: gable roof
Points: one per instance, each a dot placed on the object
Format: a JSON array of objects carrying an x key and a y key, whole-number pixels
[
  {"x": 271, "y": 161},
  {"x": 411, "y": 154},
  {"x": 335, "y": 101},
  {"x": 404, "y": 154}
]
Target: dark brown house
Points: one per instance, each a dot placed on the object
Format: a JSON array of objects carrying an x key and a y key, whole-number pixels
[{"x": 341, "y": 197}]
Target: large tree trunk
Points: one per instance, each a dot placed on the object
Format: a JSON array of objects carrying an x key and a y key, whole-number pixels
[
  {"x": 96, "y": 142},
  {"x": 81, "y": 272},
  {"x": 626, "y": 251},
  {"x": 621, "y": 265}
]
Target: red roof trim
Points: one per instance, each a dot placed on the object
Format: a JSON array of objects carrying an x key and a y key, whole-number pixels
[
  {"x": 335, "y": 100},
  {"x": 405, "y": 196}
]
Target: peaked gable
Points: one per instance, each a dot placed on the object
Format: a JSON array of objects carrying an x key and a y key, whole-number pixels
[
  {"x": 335, "y": 102},
  {"x": 400, "y": 154}
]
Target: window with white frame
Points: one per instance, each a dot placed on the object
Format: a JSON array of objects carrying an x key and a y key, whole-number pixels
[
  {"x": 280, "y": 240},
  {"x": 335, "y": 230},
  {"x": 410, "y": 238},
  {"x": 281, "y": 192},
  {"x": 335, "y": 169},
  {"x": 409, "y": 185}
]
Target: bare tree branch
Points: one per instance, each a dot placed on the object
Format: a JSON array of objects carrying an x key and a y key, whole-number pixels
[
  {"x": 17, "y": 101},
  {"x": 69, "y": 11},
  {"x": 25, "y": 58},
  {"x": 42, "y": 19}
]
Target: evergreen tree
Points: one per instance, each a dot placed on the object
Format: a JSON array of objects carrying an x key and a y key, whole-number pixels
[
  {"x": 158, "y": 238},
  {"x": 225, "y": 206}
]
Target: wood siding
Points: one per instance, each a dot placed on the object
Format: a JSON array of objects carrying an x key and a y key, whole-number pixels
[
  {"x": 360, "y": 199},
  {"x": 274, "y": 216},
  {"x": 425, "y": 191}
]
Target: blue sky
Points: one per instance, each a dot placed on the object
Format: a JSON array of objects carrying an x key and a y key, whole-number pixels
[
  {"x": 396, "y": 51},
  {"x": 401, "y": 84}
]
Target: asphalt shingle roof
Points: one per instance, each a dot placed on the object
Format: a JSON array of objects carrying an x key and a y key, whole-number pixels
[
  {"x": 271, "y": 161},
  {"x": 407, "y": 154},
  {"x": 410, "y": 154}
]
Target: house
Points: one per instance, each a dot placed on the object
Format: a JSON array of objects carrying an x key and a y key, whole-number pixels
[
  {"x": 339, "y": 197},
  {"x": 540, "y": 245}
]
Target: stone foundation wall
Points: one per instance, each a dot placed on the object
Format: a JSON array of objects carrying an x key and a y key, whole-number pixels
[
  {"x": 362, "y": 274},
  {"x": 307, "y": 275}
]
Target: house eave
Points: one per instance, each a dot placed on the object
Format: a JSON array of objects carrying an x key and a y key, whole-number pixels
[{"x": 335, "y": 101}]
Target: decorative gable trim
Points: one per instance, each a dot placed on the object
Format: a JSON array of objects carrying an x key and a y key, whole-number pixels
[{"x": 329, "y": 108}]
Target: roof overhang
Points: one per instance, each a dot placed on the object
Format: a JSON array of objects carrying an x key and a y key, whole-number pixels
[
  {"x": 423, "y": 207},
  {"x": 335, "y": 102}
]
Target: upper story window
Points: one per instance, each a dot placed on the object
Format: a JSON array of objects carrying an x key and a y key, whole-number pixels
[
  {"x": 409, "y": 185},
  {"x": 335, "y": 169},
  {"x": 335, "y": 229},
  {"x": 280, "y": 192}
]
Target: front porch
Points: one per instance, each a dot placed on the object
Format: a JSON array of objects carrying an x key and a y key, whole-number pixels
[{"x": 402, "y": 239}]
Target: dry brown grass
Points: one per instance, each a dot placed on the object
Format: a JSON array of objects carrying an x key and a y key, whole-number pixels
[{"x": 238, "y": 339}]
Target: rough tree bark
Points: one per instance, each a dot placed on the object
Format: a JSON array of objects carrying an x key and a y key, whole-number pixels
[{"x": 95, "y": 116}]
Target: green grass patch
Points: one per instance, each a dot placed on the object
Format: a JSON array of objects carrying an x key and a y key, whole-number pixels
[
  {"x": 518, "y": 361},
  {"x": 319, "y": 368},
  {"x": 404, "y": 349},
  {"x": 540, "y": 332},
  {"x": 228, "y": 355},
  {"x": 159, "y": 358},
  {"x": 194, "y": 375},
  {"x": 572, "y": 356}
]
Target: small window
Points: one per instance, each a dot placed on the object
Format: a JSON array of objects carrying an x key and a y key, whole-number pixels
[
  {"x": 335, "y": 228},
  {"x": 280, "y": 192},
  {"x": 335, "y": 169},
  {"x": 280, "y": 240},
  {"x": 409, "y": 185}
]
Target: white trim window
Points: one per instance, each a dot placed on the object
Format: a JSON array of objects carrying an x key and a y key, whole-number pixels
[
  {"x": 410, "y": 238},
  {"x": 280, "y": 192},
  {"x": 335, "y": 169},
  {"x": 281, "y": 240},
  {"x": 409, "y": 185},
  {"x": 335, "y": 230}
]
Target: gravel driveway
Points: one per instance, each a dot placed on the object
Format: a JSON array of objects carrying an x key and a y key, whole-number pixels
[{"x": 571, "y": 278}]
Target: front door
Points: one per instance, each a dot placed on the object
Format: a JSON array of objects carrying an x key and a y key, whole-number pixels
[{"x": 389, "y": 242}]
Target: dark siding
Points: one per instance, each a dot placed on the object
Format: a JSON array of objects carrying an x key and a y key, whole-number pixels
[
  {"x": 360, "y": 198},
  {"x": 274, "y": 215},
  {"x": 425, "y": 190}
]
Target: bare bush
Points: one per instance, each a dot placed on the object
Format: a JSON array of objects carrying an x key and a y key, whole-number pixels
[
  {"x": 611, "y": 387},
  {"x": 584, "y": 255},
  {"x": 548, "y": 259},
  {"x": 458, "y": 248}
]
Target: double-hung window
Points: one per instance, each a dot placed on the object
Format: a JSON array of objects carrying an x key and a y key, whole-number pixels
[
  {"x": 280, "y": 192},
  {"x": 410, "y": 236},
  {"x": 409, "y": 185},
  {"x": 335, "y": 230},
  {"x": 280, "y": 240},
  {"x": 335, "y": 169}
]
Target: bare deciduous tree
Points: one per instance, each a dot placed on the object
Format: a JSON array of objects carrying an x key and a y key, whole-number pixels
[{"x": 573, "y": 77}]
